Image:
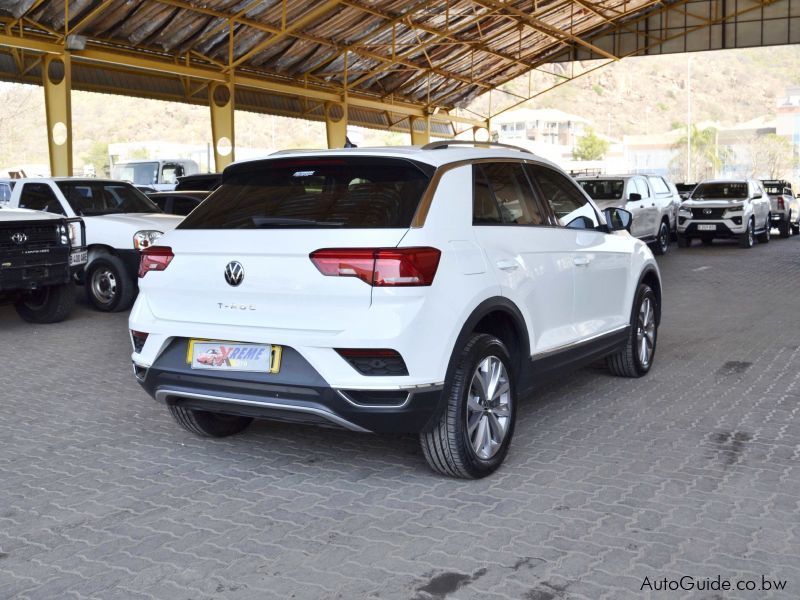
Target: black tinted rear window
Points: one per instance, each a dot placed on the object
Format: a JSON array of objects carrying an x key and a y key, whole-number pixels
[{"x": 336, "y": 192}]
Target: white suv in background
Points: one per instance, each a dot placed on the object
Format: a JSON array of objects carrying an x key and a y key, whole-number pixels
[
  {"x": 654, "y": 213},
  {"x": 419, "y": 290},
  {"x": 730, "y": 208}
]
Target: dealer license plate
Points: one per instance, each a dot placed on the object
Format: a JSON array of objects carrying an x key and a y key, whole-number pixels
[
  {"x": 233, "y": 356},
  {"x": 706, "y": 228},
  {"x": 78, "y": 258}
]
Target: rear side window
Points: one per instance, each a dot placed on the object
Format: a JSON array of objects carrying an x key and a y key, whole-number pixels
[
  {"x": 641, "y": 186},
  {"x": 39, "y": 196},
  {"x": 659, "y": 185},
  {"x": 337, "y": 192},
  {"x": 503, "y": 195},
  {"x": 183, "y": 206},
  {"x": 566, "y": 200}
]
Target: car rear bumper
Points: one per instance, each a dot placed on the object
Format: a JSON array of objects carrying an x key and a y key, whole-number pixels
[{"x": 297, "y": 393}]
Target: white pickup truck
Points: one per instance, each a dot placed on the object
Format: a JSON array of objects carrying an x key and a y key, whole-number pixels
[{"x": 120, "y": 222}]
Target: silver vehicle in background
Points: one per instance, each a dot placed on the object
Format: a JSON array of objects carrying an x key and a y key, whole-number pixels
[{"x": 654, "y": 212}]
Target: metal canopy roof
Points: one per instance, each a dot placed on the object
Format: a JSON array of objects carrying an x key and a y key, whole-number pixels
[{"x": 388, "y": 60}]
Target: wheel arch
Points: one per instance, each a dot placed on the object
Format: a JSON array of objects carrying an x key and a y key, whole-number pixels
[
  {"x": 96, "y": 250},
  {"x": 650, "y": 277},
  {"x": 500, "y": 317}
]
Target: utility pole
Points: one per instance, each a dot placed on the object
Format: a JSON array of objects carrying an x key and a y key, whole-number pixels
[{"x": 688, "y": 118}]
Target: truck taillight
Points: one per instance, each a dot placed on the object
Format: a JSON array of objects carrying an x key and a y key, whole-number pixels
[
  {"x": 154, "y": 258},
  {"x": 380, "y": 267},
  {"x": 781, "y": 205}
]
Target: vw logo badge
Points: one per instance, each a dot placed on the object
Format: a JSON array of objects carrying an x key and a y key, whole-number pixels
[
  {"x": 234, "y": 273},
  {"x": 707, "y": 211},
  {"x": 19, "y": 238}
]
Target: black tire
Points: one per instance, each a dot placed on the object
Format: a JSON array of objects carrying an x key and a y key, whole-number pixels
[
  {"x": 784, "y": 228},
  {"x": 661, "y": 245},
  {"x": 707, "y": 241},
  {"x": 447, "y": 446},
  {"x": 747, "y": 238},
  {"x": 684, "y": 241},
  {"x": 764, "y": 236},
  {"x": 107, "y": 284},
  {"x": 50, "y": 304},
  {"x": 627, "y": 362},
  {"x": 208, "y": 424},
  {"x": 796, "y": 226}
]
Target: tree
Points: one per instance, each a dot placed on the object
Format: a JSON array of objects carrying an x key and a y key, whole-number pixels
[
  {"x": 590, "y": 147},
  {"x": 706, "y": 155},
  {"x": 98, "y": 157},
  {"x": 771, "y": 157}
]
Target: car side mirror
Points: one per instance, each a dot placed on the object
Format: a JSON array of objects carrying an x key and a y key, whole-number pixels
[
  {"x": 618, "y": 219},
  {"x": 757, "y": 195},
  {"x": 634, "y": 197}
]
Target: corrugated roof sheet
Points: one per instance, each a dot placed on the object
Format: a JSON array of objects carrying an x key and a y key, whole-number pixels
[{"x": 431, "y": 54}]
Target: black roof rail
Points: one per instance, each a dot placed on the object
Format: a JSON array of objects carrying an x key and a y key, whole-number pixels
[{"x": 448, "y": 143}]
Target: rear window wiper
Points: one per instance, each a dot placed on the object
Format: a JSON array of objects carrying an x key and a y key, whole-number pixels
[{"x": 267, "y": 222}]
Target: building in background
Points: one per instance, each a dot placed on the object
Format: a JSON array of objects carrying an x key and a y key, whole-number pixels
[{"x": 553, "y": 134}]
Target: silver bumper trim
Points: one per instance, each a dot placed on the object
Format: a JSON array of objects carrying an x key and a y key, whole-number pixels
[{"x": 163, "y": 394}]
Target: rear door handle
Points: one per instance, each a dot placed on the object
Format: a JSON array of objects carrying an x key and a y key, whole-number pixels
[
  {"x": 507, "y": 265},
  {"x": 581, "y": 261}
]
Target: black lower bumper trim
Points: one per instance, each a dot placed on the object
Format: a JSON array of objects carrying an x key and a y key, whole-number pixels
[{"x": 297, "y": 393}]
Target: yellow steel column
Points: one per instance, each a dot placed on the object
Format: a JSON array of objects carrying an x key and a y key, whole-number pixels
[
  {"x": 420, "y": 131},
  {"x": 336, "y": 124},
  {"x": 56, "y": 77},
  {"x": 221, "y": 101}
]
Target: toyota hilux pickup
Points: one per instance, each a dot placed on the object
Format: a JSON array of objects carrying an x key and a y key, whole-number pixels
[
  {"x": 784, "y": 207},
  {"x": 39, "y": 254},
  {"x": 729, "y": 208},
  {"x": 120, "y": 223}
]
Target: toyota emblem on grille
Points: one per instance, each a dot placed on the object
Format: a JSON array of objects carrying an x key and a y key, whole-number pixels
[
  {"x": 19, "y": 238},
  {"x": 707, "y": 211},
  {"x": 234, "y": 273}
]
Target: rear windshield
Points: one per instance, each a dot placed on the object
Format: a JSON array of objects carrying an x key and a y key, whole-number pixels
[
  {"x": 727, "y": 189},
  {"x": 774, "y": 189},
  {"x": 604, "y": 189},
  {"x": 89, "y": 198},
  {"x": 337, "y": 192}
]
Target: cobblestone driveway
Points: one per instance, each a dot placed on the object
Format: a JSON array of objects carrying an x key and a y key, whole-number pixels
[{"x": 692, "y": 470}]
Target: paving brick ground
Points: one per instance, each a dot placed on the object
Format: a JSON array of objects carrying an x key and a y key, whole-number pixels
[{"x": 693, "y": 470}]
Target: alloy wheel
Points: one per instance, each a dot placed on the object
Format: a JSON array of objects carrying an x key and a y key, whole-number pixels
[
  {"x": 646, "y": 332},
  {"x": 488, "y": 411}
]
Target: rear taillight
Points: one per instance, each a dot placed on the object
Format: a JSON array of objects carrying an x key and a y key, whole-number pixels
[
  {"x": 781, "y": 205},
  {"x": 154, "y": 258},
  {"x": 380, "y": 267},
  {"x": 138, "y": 338}
]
